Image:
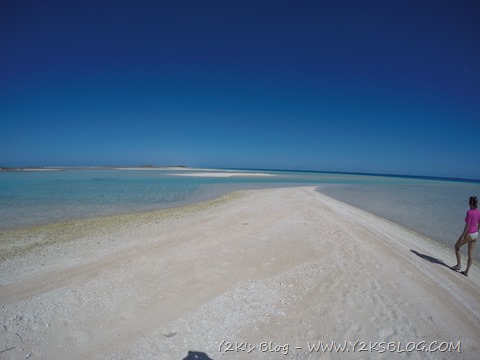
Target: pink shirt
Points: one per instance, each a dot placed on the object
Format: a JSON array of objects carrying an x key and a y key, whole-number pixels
[{"x": 472, "y": 219}]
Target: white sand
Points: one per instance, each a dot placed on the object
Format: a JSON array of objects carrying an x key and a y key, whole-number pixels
[
  {"x": 197, "y": 172},
  {"x": 290, "y": 266},
  {"x": 177, "y": 168},
  {"x": 222, "y": 174}
]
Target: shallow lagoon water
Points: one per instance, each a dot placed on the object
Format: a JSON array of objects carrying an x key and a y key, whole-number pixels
[
  {"x": 31, "y": 198},
  {"x": 432, "y": 207},
  {"x": 435, "y": 209}
]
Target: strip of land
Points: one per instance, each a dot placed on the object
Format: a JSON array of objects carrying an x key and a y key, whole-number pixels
[
  {"x": 222, "y": 174},
  {"x": 267, "y": 274}
]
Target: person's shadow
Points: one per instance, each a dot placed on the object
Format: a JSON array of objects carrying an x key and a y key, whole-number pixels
[
  {"x": 197, "y": 355},
  {"x": 430, "y": 259}
]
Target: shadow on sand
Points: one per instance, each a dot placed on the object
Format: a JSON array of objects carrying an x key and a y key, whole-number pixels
[
  {"x": 430, "y": 259},
  {"x": 197, "y": 355}
]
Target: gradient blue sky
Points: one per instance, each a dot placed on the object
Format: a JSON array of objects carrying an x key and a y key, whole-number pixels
[{"x": 361, "y": 86}]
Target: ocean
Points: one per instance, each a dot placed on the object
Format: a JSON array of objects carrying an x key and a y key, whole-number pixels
[{"x": 432, "y": 207}]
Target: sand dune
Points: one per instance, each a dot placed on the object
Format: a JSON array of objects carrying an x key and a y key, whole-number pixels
[{"x": 268, "y": 274}]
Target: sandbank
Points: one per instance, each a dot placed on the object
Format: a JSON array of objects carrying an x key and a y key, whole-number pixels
[
  {"x": 222, "y": 174},
  {"x": 266, "y": 273},
  {"x": 153, "y": 168}
]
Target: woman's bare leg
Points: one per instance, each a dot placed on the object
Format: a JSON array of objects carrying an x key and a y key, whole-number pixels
[
  {"x": 460, "y": 242},
  {"x": 471, "y": 249}
]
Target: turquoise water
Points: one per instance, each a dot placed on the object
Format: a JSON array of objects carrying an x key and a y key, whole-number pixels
[
  {"x": 432, "y": 207},
  {"x": 31, "y": 198}
]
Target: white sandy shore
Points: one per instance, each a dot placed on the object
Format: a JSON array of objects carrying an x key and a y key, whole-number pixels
[
  {"x": 222, "y": 174},
  {"x": 290, "y": 266},
  {"x": 198, "y": 172},
  {"x": 163, "y": 168}
]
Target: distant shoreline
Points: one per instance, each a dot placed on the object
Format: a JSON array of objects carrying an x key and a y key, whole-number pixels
[
  {"x": 67, "y": 168},
  {"x": 406, "y": 176},
  {"x": 187, "y": 168}
]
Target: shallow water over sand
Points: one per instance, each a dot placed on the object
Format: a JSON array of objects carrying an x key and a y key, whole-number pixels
[
  {"x": 435, "y": 209},
  {"x": 432, "y": 207}
]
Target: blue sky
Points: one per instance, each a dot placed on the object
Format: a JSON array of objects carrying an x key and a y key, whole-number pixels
[{"x": 361, "y": 86}]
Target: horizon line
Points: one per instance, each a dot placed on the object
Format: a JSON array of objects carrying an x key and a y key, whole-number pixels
[{"x": 106, "y": 167}]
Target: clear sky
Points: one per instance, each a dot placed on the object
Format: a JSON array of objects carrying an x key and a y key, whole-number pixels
[{"x": 361, "y": 86}]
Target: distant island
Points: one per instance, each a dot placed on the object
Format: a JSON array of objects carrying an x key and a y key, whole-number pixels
[{"x": 64, "y": 168}]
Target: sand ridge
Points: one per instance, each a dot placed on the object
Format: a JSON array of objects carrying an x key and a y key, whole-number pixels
[
  {"x": 223, "y": 174},
  {"x": 260, "y": 268}
]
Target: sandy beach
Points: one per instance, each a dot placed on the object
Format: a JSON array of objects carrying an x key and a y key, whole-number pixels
[{"x": 258, "y": 274}]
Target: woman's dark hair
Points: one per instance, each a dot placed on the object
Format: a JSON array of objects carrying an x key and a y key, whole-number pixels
[{"x": 473, "y": 201}]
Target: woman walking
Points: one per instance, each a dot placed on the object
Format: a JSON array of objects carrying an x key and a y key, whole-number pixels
[{"x": 469, "y": 235}]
